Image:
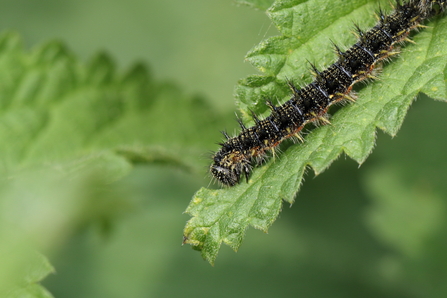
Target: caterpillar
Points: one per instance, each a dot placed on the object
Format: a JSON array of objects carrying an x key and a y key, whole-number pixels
[{"x": 331, "y": 86}]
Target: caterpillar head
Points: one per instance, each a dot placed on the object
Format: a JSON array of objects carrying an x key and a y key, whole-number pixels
[{"x": 227, "y": 169}]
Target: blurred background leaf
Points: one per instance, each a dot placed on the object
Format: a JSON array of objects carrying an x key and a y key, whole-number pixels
[{"x": 121, "y": 238}]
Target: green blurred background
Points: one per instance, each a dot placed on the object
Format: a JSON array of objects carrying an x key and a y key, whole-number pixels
[{"x": 374, "y": 231}]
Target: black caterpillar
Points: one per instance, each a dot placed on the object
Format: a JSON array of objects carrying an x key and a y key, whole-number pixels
[{"x": 329, "y": 87}]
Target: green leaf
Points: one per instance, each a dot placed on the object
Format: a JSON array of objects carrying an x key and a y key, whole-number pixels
[
  {"x": 23, "y": 280},
  {"x": 38, "y": 268},
  {"x": 68, "y": 130},
  {"x": 56, "y": 111},
  {"x": 31, "y": 291},
  {"x": 224, "y": 215}
]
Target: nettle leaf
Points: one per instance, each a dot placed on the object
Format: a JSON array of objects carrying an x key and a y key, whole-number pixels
[
  {"x": 68, "y": 129},
  {"x": 307, "y": 27},
  {"x": 37, "y": 269},
  {"x": 60, "y": 113}
]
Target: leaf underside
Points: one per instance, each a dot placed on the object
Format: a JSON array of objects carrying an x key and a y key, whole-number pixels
[{"x": 307, "y": 27}]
